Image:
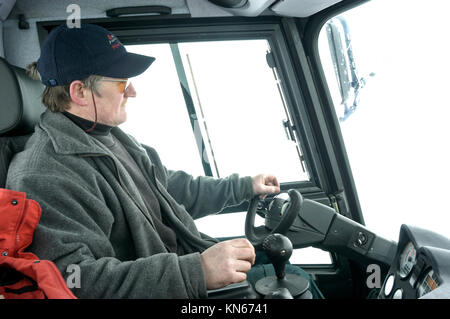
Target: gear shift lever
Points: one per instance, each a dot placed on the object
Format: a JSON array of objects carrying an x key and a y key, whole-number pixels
[{"x": 278, "y": 249}]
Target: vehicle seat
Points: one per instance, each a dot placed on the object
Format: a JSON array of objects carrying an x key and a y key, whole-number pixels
[{"x": 20, "y": 109}]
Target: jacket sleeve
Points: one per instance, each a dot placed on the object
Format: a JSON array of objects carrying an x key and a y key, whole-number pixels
[
  {"x": 203, "y": 195},
  {"x": 74, "y": 230}
]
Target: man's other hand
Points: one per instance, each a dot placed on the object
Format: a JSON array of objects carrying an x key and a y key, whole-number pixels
[{"x": 227, "y": 262}]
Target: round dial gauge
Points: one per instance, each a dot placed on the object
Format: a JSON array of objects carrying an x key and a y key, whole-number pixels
[
  {"x": 389, "y": 284},
  {"x": 398, "y": 294},
  {"x": 407, "y": 260}
]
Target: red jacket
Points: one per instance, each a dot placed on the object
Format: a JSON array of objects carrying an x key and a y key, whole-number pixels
[{"x": 22, "y": 274}]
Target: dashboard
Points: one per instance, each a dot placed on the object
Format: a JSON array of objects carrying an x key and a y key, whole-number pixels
[{"x": 421, "y": 268}]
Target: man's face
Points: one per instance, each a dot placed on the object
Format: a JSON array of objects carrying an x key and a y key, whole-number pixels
[{"x": 111, "y": 105}]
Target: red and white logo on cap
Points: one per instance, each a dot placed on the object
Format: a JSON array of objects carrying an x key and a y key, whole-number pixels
[{"x": 113, "y": 41}]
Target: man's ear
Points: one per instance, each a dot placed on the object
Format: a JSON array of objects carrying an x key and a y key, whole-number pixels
[{"x": 78, "y": 93}]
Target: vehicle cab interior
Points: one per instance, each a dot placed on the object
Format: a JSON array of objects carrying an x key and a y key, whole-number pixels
[{"x": 244, "y": 86}]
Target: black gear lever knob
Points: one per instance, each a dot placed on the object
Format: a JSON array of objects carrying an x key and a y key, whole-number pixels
[{"x": 278, "y": 249}]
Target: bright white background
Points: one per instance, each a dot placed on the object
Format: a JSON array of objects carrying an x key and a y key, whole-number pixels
[{"x": 398, "y": 139}]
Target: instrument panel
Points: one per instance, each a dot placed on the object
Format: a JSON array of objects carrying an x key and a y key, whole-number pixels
[
  {"x": 421, "y": 267},
  {"x": 407, "y": 260}
]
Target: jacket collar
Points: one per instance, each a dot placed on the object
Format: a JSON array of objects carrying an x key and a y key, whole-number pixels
[{"x": 69, "y": 139}]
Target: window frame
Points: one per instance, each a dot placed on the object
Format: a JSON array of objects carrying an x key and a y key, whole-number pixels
[
  {"x": 268, "y": 28},
  {"x": 342, "y": 169}
]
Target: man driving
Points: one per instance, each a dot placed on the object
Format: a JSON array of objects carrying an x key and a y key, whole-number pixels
[{"x": 108, "y": 203}]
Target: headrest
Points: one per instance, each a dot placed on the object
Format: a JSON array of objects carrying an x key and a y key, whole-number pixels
[{"x": 20, "y": 100}]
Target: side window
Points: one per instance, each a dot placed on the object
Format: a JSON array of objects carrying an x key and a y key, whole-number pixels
[
  {"x": 158, "y": 116},
  {"x": 217, "y": 108},
  {"x": 215, "y": 103},
  {"x": 387, "y": 74}
]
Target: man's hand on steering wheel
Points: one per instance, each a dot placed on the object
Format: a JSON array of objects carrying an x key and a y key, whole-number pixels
[{"x": 264, "y": 184}]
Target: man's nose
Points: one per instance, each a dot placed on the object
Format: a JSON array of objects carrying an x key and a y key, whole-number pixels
[{"x": 130, "y": 91}]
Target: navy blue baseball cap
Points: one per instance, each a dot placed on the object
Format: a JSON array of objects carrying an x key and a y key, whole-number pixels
[{"x": 70, "y": 54}]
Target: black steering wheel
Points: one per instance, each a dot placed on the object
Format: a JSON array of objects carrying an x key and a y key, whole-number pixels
[{"x": 256, "y": 235}]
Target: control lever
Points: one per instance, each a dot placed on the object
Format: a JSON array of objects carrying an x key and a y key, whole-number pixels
[{"x": 279, "y": 249}]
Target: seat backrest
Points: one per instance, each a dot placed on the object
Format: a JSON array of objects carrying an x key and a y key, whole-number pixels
[{"x": 20, "y": 109}]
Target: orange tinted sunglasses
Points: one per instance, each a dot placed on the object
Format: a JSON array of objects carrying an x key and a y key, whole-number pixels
[{"x": 122, "y": 84}]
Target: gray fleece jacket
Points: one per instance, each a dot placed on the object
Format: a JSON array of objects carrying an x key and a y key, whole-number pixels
[{"x": 93, "y": 215}]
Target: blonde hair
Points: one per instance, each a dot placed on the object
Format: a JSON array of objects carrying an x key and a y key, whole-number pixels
[{"x": 57, "y": 98}]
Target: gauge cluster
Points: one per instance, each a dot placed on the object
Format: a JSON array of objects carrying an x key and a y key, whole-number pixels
[
  {"x": 407, "y": 260},
  {"x": 421, "y": 267}
]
